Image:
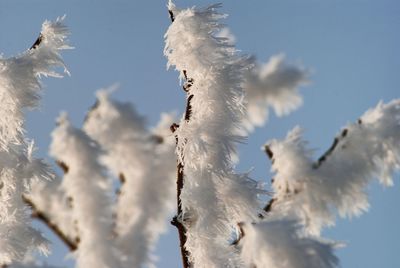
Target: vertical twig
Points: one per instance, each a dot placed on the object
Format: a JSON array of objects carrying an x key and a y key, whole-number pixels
[{"x": 178, "y": 221}]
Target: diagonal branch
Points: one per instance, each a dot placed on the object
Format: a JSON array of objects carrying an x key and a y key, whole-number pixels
[
  {"x": 336, "y": 141},
  {"x": 71, "y": 243},
  {"x": 322, "y": 159},
  {"x": 37, "y": 42},
  {"x": 43, "y": 217}
]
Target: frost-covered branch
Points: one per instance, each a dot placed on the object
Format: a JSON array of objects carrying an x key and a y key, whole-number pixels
[
  {"x": 51, "y": 206},
  {"x": 19, "y": 79},
  {"x": 214, "y": 198},
  {"x": 146, "y": 194},
  {"x": 177, "y": 221},
  {"x": 45, "y": 219},
  {"x": 273, "y": 85},
  {"x": 20, "y": 89},
  {"x": 280, "y": 244},
  {"x": 88, "y": 186},
  {"x": 313, "y": 191}
]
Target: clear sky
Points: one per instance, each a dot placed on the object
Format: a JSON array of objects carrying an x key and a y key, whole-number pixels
[{"x": 351, "y": 46}]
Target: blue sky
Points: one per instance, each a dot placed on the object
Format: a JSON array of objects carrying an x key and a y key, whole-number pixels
[{"x": 351, "y": 46}]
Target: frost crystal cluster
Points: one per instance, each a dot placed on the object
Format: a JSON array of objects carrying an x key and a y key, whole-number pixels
[
  {"x": 107, "y": 229},
  {"x": 19, "y": 89},
  {"x": 214, "y": 197}
]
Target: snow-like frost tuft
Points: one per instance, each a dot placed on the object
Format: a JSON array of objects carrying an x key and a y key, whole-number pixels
[{"x": 314, "y": 190}]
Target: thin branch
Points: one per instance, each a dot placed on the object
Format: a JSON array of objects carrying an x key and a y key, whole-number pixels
[
  {"x": 37, "y": 42},
  {"x": 335, "y": 143},
  {"x": 188, "y": 112},
  {"x": 171, "y": 15},
  {"x": 177, "y": 221},
  {"x": 268, "y": 207},
  {"x": 63, "y": 166},
  {"x": 43, "y": 217},
  {"x": 71, "y": 243}
]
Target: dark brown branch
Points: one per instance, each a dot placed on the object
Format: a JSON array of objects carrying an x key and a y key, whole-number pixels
[
  {"x": 316, "y": 165},
  {"x": 63, "y": 166},
  {"x": 269, "y": 152},
  {"x": 240, "y": 236},
  {"x": 37, "y": 42},
  {"x": 171, "y": 15},
  {"x": 177, "y": 221},
  {"x": 188, "y": 112},
  {"x": 41, "y": 216},
  {"x": 332, "y": 148},
  {"x": 268, "y": 207}
]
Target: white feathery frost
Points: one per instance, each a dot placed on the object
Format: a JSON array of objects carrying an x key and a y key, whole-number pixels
[
  {"x": 214, "y": 197},
  {"x": 279, "y": 244},
  {"x": 30, "y": 262},
  {"x": 50, "y": 199},
  {"x": 19, "y": 89},
  {"x": 146, "y": 164},
  {"x": 88, "y": 187},
  {"x": 313, "y": 191},
  {"x": 19, "y": 79},
  {"x": 273, "y": 85}
]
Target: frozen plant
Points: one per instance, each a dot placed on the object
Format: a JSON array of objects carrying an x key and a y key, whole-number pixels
[
  {"x": 20, "y": 88},
  {"x": 118, "y": 188}
]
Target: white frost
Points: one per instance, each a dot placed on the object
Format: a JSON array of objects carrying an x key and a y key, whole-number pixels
[
  {"x": 273, "y": 85},
  {"x": 19, "y": 89},
  {"x": 214, "y": 197},
  {"x": 145, "y": 161},
  {"x": 279, "y": 244},
  {"x": 314, "y": 190},
  {"x": 89, "y": 188}
]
